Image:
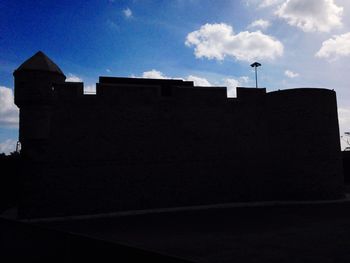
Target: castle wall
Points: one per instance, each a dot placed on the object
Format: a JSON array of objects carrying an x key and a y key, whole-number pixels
[
  {"x": 140, "y": 147},
  {"x": 303, "y": 135}
]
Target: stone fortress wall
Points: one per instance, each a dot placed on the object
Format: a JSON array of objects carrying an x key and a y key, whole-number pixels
[{"x": 146, "y": 143}]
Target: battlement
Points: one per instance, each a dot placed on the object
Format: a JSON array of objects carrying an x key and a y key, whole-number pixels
[
  {"x": 145, "y": 81},
  {"x": 112, "y": 87},
  {"x": 68, "y": 90},
  {"x": 145, "y": 143},
  {"x": 137, "y": 88},
  {"x": 178, "y": 89}
]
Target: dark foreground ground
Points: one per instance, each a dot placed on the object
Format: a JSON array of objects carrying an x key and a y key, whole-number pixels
[{"x": 281, "y": 233}]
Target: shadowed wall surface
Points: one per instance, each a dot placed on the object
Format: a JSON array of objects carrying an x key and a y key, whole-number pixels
[{"x": 144, "y": 143}]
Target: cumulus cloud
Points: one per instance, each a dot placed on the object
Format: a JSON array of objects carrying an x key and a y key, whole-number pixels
[
  {"x": 311, "y": 15},
  {"x": 291, "y": 74},
  {"x": 216, "y": 41},
  {"x": 232, "y": 84},
  {"x": 344, "y": 118},
  {"x": 335, "y": 47},
  {"x": 244, "y": 79},
  {"x": 154, "y": 74},
  {"x": 344, "y": 124},
  {"x": 198, "y": 81},
  {"x": 127, "y": 12},
  {"x": 267, "y": 3},
  {"x": 260, "y": 23},
  {"x": 8, "y": 146},
  {"x": 9, "y": 113},
  {"x": 263, "y": 3},
  {"x": 73, "y": 78},
  {"x": 90, "y": 89}
]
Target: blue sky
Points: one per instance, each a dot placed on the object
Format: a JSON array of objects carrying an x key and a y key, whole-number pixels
[{"x": 299, "y": 43}]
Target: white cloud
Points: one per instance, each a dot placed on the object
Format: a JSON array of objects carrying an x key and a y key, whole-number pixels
[
  {"x": 291, "y": 74},
  {"x": 267, "y": 3},
  {"x": 263, "y": 24},
  {"x": 90, "y": 89},
  {"x": 216, "y": 41},
  {"x": 108, "y": 70},
  {"x": 232, "y": 84},
  {"x": 153, "y": 74},
  {"x": 335, "y": 47},
  {"x": 244, "y": 79},
  {"x": 311, "y": 15},
  {"x": 344, "y": 124},
  {"x": 127, "y": 12},
  {"x": 9, "y": 113},
  {"x": 8, "y": 146},
  {"x": 344, "y": 118},
  {"x": 262, "y": 3},
  {"x": 198, "y": 81},
  {"x": 73, "y": 78}
]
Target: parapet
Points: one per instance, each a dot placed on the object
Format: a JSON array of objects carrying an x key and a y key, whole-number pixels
[
  {"x": 143, "y": 81},
  {"x": 250, "y": 93},
  {"x": 299, "y": 91},
  {"x": 68, "y": 90},
  {"x": 153, "y": 89}
]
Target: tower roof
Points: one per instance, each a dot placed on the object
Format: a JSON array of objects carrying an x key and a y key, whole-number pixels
[{"x": 40, "y": 62}]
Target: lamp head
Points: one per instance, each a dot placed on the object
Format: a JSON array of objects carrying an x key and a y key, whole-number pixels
[{"x": 255, "y": 65}]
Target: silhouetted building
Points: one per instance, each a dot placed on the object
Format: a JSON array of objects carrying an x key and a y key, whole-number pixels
[{"x": 146, "y": 143}]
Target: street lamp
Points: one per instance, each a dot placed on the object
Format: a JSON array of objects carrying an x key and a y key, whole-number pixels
[{"x": 256, "y": 65}]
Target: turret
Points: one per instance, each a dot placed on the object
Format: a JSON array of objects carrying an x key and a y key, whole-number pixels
[{"x": 34, "y": 81}]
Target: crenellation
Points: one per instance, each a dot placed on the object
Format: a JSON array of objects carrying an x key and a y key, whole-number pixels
[
  {"x": 68, "y": 90},
  {"x": 250, "y": 93},
  {"x": 148, "y": 143}
]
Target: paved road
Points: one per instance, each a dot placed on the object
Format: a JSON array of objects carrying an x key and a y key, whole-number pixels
[{"x": 281, "y": 233}]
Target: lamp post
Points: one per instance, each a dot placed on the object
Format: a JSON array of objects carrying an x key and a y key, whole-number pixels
[{"x": 256, "y": 65}]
